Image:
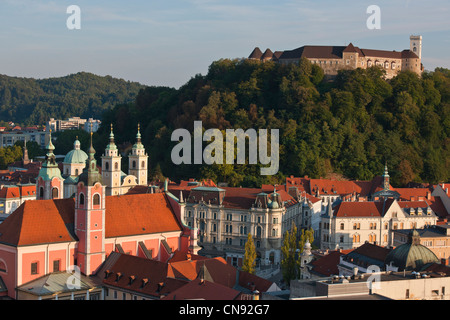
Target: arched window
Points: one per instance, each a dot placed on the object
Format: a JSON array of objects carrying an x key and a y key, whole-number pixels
[
  {"x": 76, "y": 172},
  {"x": 116, "y": 166},
  {"x": 143, "y": 164},
  {"x": 2, "y": 266},
  {"x": 134, "y": 164},
  {"x": 41, "y": 193},
  {"x": 55, "y": 193},
  {"x": 106, "y": 165},
  {"x": 96, "y": 199},
  {"x": 82, "y": 199}
]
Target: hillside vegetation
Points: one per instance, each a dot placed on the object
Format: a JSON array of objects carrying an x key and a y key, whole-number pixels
[
  {"x": 351, "y": 126},
  {"x": 33, "y": 102}
]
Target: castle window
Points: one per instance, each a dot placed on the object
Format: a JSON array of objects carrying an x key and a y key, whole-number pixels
[
  {"x": 82, "y": 199},
  {"x": 96, "y": 199}
]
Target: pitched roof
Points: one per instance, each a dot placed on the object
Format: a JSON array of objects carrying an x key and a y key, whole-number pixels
[
  {"x": 56, "y": 283},
  {"x": 50, "y": 221},
  {"x": 327, "y": 265},
  {"x": 359, "y": 209},
  {"x": 335, "y": 52},
  {"x": 256, "y": 54},
  {"x": 39, "y": 221},
  {"x": 204, "y": 290},
  {"x": 268, "y": 54},
  {"x": 9, "y": 192},
  {"x": 139, "y": 214},
  {"x": 368, "y": 253},
  {"x": 138, "y": 274},
  {"x": 219, "y": 270}
]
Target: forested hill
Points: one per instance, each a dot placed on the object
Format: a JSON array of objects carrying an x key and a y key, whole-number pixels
[
  {"x": 32, "y": 102},
  {"x": 351, "y": 126}
]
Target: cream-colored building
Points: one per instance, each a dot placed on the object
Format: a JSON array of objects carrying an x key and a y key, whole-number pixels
[
  {"x": 225, "y": 216},
  {"x": 334, "y": 58},
  {"x": 350, "y": 224}
]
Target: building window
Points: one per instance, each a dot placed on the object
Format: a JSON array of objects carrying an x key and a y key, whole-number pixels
[
  {"x": 34, "y": 268},
  {"x": 106, "y": 165},
  {"x": 342, "y": 226},
  {"x": 143, "y": 164},
  {"x": 96, "y": 199},
  {"x": 2, "y": 266},
  {"x": 134, "y": 164},
  {"x": 56, "y": 265},
  {"x": 55, "y": 193},
  {"x": 81, "y": 199}
]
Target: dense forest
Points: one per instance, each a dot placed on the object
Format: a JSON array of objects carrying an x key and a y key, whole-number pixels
[
  {"x": 33, "y": 102},
  {"x": 351, "y": 126}
]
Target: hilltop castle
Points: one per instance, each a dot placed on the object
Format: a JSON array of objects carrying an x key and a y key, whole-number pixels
[{"x": 334, "y": 58}]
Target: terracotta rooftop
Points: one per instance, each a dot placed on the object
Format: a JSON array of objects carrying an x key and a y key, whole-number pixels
[
  {"x": 204, "y": 290},
  {"x": 50, "y": 221}
]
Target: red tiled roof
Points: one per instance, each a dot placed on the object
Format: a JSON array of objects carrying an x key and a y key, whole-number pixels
[
  {"x": 372, "y": 251},
  {"x": 139, "y": 214},
  {"x": 220, "y": 271},
  {"x": 49, "y": 221},
  {"x": 39, "y": 221},
  {"x": 10, "y": 192},
  {"x": 131, "y": 272},
  {"x": 327, "y": 186},
  {"x": 253, "y": 282},
  {"x": 205, "y": 290},
  {"x": 359, "y": 209},
  {"x": 327, "y": 265}
]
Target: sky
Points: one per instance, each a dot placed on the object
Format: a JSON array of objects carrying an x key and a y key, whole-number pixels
[{"x": 165, "y": 43}]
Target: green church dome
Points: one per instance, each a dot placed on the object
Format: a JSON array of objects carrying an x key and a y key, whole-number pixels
[
  {"x": 411, "y": 255},
  {"x": 76, "y": 155}
]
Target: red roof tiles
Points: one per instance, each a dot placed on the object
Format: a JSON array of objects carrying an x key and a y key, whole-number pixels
[{"x": 49, "y": 221}]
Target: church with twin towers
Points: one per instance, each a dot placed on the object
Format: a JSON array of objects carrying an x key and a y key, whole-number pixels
[{"x": 60, "y": 181}]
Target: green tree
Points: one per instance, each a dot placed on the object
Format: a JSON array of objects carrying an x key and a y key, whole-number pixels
[
  {"x": 289, "y": 264},
  {"x": 249, "y": 256}
]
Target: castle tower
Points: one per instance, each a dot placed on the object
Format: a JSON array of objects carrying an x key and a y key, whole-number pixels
[
  {"x": 49, "y": 182},
  {"x": 415, "y": 45},
  {"x": 90, "y": 217},
  {"x": 138, "y": 161},
  {"x": 111, "y": 167}
]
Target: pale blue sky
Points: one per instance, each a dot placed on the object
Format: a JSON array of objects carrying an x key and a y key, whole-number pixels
[{"x": 168, "y": 42}]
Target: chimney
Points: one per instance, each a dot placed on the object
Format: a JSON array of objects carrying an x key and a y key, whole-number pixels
[
  {"x": 429, "y": 195},
  {"x": 413, "y": 198}
]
